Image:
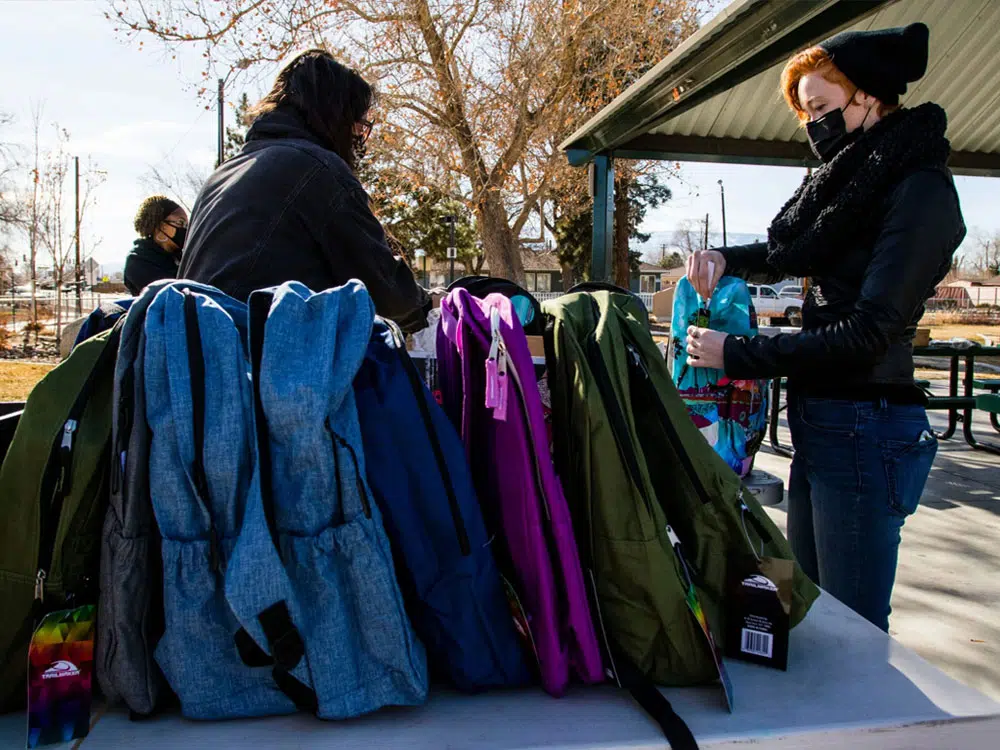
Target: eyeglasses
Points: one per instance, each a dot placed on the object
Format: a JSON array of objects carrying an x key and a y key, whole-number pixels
[
  {"x": 366, "y": 129},
  {"x": 176, "y": 225}
]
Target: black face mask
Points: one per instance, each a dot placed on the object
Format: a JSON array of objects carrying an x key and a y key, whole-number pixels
[
  {"x": 180, "y": 234},
  {"x": 828, "y": 135}
]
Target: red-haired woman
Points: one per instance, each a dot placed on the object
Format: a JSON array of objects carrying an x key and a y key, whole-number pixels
[{"x": 874, "y": 229}]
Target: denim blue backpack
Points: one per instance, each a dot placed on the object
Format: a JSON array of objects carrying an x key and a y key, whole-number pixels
[
  {"x": 421, "y": 482},
  {"x": 279, "y": 592},
  {"x": 731, "y": 414}
]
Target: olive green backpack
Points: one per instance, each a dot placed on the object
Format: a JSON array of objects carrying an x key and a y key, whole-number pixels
[
  {"x": 53, "y": 495},
  {"x": 653, "y": 505}
]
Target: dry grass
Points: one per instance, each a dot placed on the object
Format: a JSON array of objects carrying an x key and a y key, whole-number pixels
[
  {"x": 18, "y": 378},
  {"x": 977, "y": 333}
]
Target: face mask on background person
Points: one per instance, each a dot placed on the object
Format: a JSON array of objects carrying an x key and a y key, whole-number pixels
[{"x": 180, "y": 234}]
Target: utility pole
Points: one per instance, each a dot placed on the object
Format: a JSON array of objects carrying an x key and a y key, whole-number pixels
[
  {"x": 13, "y": 306},
  {"x": 452, "y": 249},
  {"x": 705, "y": 247},
  {"x": 421, "y": 254},
  {"x": 722, "y": 190},
  {"x": 222, "y": 121},
  {"x": 76, "y": 233}
]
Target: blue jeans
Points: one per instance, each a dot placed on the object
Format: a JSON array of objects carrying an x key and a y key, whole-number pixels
[{"x": 859, "y": 470}]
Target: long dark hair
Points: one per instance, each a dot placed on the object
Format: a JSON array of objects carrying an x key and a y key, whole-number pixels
[{"x": 330, "y": 97}]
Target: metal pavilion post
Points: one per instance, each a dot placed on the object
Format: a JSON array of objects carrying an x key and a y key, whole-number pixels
[{"x": 603, "y": 187}]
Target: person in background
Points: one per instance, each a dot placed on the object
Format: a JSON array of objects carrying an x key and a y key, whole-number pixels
[
  {"x": 290, "y": 207},
  {"x": 161, "y": 225},
  {"x": 874, "y": 228}
]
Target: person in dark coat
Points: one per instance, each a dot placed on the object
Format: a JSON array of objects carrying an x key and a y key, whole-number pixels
[
  {"x": 290, "y": 208},
  {"x": 874, "y": 230},
  {"x": 161, "y": 225}
]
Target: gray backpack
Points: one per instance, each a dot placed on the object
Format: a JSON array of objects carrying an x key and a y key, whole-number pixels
[{"x": 130, "y": 607}]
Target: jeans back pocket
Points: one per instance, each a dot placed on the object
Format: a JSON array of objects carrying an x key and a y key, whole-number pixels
[{"x": 907, "y": 466}]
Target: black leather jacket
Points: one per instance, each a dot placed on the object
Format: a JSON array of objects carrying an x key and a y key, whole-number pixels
[
  {"x": 289, "y": 209},
  {"x": 859, "y": 321}
]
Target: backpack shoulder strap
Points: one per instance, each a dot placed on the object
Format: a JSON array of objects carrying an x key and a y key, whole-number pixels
[{"x": 284, "y": 640}]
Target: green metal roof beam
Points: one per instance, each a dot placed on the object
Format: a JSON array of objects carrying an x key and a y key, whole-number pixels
[
  {"x": 659, "y": 147},
  {"x": 752, "y": 38}
]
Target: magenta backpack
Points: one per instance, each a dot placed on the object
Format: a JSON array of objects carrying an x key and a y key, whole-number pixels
[{"x": 489, "y": 390}]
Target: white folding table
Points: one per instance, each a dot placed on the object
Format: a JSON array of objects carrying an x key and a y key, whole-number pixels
[{"x": 848, "y": 686}]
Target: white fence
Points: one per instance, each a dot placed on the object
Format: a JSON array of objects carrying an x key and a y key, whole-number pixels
[
  {"x": 647, "y": 298},
  {"x": 984, "y": 295}
]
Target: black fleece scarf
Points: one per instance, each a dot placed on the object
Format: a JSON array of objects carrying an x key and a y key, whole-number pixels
[{"x": 833, "y": 208}]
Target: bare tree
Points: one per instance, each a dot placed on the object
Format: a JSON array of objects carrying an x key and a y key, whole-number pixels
[
  {"x": 985, "y": 258},
  {"x": 12, "y": 214},
  {"x": 56, "y": 227},
  {"x": 36, "y": 126},
  {"x": 689, "y": 236},
  {"x": 180, "y": 182},
  {"x": 472, "y": 91}
]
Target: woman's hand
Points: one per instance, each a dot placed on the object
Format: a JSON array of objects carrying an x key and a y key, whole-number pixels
[
  {"x": 702, "y": 276},
  {"x": 706, "y": 348}
]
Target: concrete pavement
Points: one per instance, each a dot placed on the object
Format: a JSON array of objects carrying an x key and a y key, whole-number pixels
[{"x": 946, "y": 602}]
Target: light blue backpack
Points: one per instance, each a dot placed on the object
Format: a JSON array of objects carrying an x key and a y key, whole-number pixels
[
  {"x": 279, "y": 591},
  {"x": 731, "y": 414}
]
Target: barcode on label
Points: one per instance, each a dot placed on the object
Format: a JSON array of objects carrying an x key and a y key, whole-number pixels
[{"x": 757, "y": 643}]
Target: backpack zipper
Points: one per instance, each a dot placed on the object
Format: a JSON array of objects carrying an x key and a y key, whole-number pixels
[
  {"x": 196, "y": 370},
  {"x": 123, "y": 432},
  {"x": 359, "y": 482},
  {"x": 62, "y": 463},
  {"x": 537, "y": 469},
  {"x": 419, "y": 391},
  {"x": 562, "y": 601},
  {"x": 619, "y": 428},
  {"x": 58, "y": 485},
  {"x": 639, "y": 367},
  {"x": 622, "y": 438},
  {"x": 637, "y": 364}
]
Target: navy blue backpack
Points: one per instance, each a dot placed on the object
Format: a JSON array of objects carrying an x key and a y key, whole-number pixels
[
  {"x": 419, "y": 476},
  {"x": 103, "y": 318}
]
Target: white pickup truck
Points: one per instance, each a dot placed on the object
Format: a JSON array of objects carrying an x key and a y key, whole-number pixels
[{"x": 769, "y": 305}]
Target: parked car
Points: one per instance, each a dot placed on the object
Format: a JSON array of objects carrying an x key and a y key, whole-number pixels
[
  {"x": 769, "y": 304},
  {"x": 791, "y": 291}
]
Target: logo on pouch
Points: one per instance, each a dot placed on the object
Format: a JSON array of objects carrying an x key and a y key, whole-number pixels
[
  {"x": 60, "y": 669},
  {"x": 760, "y": 582}
]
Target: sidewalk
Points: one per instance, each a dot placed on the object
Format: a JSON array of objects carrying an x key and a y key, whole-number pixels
[{"x": 946, "y": 603}]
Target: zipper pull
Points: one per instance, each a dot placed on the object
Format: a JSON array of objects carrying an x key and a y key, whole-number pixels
[
  {"x": 674, "y": 539},
  {"x": 66, "y": 458},
  {"x": 637, "y": 360},
  {"x": 67, "y": 440},
  {"x": 40, "y": 585},
  {"x": 675, "y": 542},
  {"x": 744, "y": 509}
]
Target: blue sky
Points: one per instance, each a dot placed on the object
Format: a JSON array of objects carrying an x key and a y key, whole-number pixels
[{"x": 130, "y": 109}]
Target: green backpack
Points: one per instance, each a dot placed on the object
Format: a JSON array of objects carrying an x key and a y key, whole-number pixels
[
  {"x": 653, "y": 505},
  {"x": 53, "y": 495}
]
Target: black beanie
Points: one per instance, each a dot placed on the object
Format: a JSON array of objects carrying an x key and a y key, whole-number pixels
[{"x": 881, "y": 62}]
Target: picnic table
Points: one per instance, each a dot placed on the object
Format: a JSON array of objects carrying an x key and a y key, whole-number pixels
[
  {"x": 961, "y": 406},
  {"x": 960, "y": 403},
  {"x": 848, "y": 685}
]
